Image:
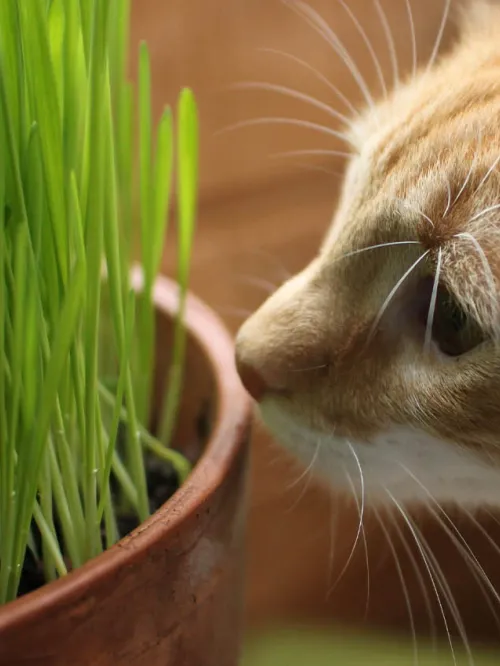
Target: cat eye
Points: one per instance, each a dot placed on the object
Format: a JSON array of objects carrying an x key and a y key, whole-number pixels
[{"x": 454, "y": 331}]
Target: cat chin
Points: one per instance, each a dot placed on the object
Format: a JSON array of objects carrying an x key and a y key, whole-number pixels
[{"x": 402, "y": 465}]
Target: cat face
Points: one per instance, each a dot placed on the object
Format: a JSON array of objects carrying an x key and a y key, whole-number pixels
[{"x": 379, "y": 363}]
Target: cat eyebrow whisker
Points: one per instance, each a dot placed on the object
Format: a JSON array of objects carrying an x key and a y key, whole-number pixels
[
  {"x": 484, "y": 212},
  {"x": 295, "y": 94},
  {"x": 487, "y": 269},
  {"x": 488, "y": 174},
  {"x": 432, "y": 305},
  {"x": 390, "y": 42},
  {"x": 473, "y": 164},
  {"x": 321, "y": 77},
  {"x": 413, "y": 36},
  {"x": 393, "y": 292},
  {"x": 368, "y": 44},
  {"x": 411, "y": 206},
  {"x": 275, "y": 120},
  {"x": 376, "y": 247},
  {"x": 439, "y": 38},
  {"x": 484, "y": 259},
  {"x": 314, "y": 19},
  {"x": 448, "y": 203}
]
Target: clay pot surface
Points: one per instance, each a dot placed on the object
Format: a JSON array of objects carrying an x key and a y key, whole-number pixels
[{"x": 170, "y": 593}]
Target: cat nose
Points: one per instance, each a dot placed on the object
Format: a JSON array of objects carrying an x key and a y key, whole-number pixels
[{"x": 253, "y": 381}]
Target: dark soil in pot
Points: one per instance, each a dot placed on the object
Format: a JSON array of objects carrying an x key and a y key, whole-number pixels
[{"x": 162, "y": 481}]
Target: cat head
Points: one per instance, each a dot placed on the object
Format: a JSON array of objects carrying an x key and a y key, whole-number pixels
[{"x": 379, "y": 363}]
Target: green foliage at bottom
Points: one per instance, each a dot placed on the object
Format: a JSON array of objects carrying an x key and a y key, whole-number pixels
[{"x": 329, "y": 647}]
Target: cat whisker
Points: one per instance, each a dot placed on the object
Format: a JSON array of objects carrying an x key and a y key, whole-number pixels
[
  {"x": 419, "y": 575},
  {"x": 483, "y": 531},
  {"x": 368, "y": 44},
  {"x": 318, "y": 168},
  {"x": 450, "y": 601},
  {"x": 309, "y": 467},
  {"x": 469, "y": 174},
  {"x": 390, "y": 42},
  {"x": 318, "y": 23},
  {"x": 275, "y": 120},
  {"x": 321, "y": 77},
  {"x": 461, "y": 544},
  {"x": 361, "y": 512},
  {"x": 376, "y": 247},
  {"x": 295, "y": 94},
  {"x": 432, "y": 305},
  {"x": 402, "y": 580},
  {"x": 334, "y": 507},
  {"x": 228, "y": 311},
  {"x": 479, "y": 574},
  {"x": 488, "y": 272},
  {"x": 360, "y": 532},
  {"x": 430, "y": 569},
  {"x": 484, "y": 212},
  {"x": 448, "y": 203},
  {"x": 439, "y": 38},
  {"x": 306, "y": 152},
  {"x": 285, "y": 273},
  {"x": 443, "y": 583},
  {"x": 307, "y": 474},
  {"x": 408, "y": 204},
  {"x": 413, "y": 37},
  {"x": 484, "y": 259},
  {"x": 488, "y": 175},
  {"x": 491, "y": 515},
  {"x": 259, "y": 283},
  {"x": 393, "y": 292}
]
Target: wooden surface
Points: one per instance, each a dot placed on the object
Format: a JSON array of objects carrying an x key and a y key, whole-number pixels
[{"x": 261, "y": 218}]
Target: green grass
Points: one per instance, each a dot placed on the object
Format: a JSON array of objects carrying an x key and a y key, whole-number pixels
[
  {"x": 328, "y": 647},
  {"x": 78, "y": 351}
]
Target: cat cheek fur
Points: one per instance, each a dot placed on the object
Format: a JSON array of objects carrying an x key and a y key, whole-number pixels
[{"x": 351, "y": 390}]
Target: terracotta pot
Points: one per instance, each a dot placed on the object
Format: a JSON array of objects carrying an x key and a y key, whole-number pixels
[{"x": 169, "y": 594}]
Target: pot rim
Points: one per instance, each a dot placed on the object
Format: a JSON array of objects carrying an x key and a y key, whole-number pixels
[{"x": 234, "y": 414}]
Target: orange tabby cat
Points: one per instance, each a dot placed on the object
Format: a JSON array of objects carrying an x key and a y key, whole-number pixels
[{"x": 380, "y": 361}]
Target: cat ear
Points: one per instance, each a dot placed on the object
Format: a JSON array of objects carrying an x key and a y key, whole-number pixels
[{"x": 479, "y": 16}]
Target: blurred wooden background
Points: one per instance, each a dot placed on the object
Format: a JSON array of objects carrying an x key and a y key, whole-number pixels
[{"x": 262, "y": 217}]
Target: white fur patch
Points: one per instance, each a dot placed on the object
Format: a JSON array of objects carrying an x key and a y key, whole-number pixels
[{"x": 411, "y": 465}]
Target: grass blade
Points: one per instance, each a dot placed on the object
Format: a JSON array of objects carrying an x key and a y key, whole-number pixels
[{"x": 187, "y": 170}]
